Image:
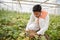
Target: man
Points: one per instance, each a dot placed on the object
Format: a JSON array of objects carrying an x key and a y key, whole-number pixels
[{"x": 38, "y": 23}]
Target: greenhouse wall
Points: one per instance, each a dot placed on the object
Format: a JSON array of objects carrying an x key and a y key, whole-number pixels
[{"x": 27, "y": 6}]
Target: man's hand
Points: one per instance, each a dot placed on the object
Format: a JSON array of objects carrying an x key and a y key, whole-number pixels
[{"x": 32, "y": 33}]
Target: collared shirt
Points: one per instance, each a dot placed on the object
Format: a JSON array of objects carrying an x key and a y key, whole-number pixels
[{"x": 43, "y": 23}]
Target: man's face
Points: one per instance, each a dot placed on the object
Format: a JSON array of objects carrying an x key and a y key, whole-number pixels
[{"x": 37, "y": 14}]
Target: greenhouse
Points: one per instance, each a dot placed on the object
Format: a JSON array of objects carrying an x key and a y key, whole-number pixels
[{"x": 15, "y": 14}]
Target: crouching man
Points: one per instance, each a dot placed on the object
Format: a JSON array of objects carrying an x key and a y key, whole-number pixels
[{"x": 38, "y": 23}]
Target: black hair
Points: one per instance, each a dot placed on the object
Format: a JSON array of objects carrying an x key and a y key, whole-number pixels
[{"x": 37, "y": 8}]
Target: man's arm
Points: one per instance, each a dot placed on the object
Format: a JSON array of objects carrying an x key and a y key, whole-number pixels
[
  {"x": 44, "y": 25},
  {"x": 30, "y": 21}
]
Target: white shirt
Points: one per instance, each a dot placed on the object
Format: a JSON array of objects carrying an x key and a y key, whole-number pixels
[{"x": 43, "y": 24}]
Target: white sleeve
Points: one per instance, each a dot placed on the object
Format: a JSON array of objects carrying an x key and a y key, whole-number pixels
[
  {"x": 30, "y": 21},
  {"x": 44, "y": 25}
]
